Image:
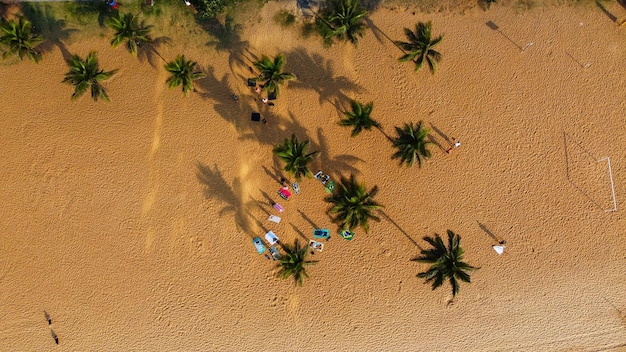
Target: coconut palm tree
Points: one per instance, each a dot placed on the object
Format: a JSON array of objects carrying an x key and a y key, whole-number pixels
[
  {"x": 17, "y": 36},
  {"x": 127, "y": 28},
  {"x": 294, "y": 154},
  {"x": 272, "y": 75},
  {"x": 294, "y": 262},
  {"x": 342, "y": 19},
  {"x": 85, "y": 74},
  {"x": 411, "y": 144},
  {"x": 353, "y": 204},
  {"x": 359, "y": 118},
  {"x": 420, "y": 46},
  {"x": 182, "y": 73},
  {"x": 446, "y": 262}
]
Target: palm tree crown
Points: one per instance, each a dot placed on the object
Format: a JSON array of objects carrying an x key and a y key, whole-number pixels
[
  {"x": 446, "y": 262},
  {"x": 353, "y": 204},
  {"x": 411, "y": 144},
  {"x": 294, "y": 154},
  {"x": 271, "y": 73},
  {"x": 420, "y": 47},
  {"x": 359, "y": 118},
  {"x": 85, "y": 74},
  {"x": 128, "y": 29},
  {"x": 294, "y": 262},
  {"x": 182, "y": 73},
  {"x": 19, "y": 40},
  {"x": 342, "y": 19}
]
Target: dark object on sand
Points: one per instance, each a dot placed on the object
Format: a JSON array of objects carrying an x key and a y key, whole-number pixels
[
  {"x": 255, "y": 116},
  {"x": 48, "y": 319},
  {"x": 251, "y": 82},
  {"x": 54, "y": 336},
  {"x": 271, "y": 96}
]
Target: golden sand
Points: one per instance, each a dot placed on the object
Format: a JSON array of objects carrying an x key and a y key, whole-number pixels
[{"x": 130, "y": 223}]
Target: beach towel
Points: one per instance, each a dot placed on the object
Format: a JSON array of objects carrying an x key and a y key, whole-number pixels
[
  {"x": 321, "y": 233},
  {"x": 271, "y": 238},
  {"x": 279, "y": 207},
  {"x": 275, "y": 253},
  {"x": 284, "y": 193},
  {"x": 296, "y": 187},
  {"x": 274, "y": 218},
  {"x": 258, "y": 244},
  {"x": 498, "y": 249},
  {"x": 318, "y": 246},
  {"x": 346, "y": 235}
]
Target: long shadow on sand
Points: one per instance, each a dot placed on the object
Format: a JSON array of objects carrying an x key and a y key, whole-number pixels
[
  {"x": 54, "y": 31},
  {"x": 315, "y": 73},
  {"x": 336, "y": 165},
  {"x": 576, "y": 154},
  {"x": 216, "y": 188},
  {"x": 388, "y": 218}
]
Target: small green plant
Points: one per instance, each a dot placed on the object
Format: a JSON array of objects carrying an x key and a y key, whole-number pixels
[{"x": 285, "y": 18}]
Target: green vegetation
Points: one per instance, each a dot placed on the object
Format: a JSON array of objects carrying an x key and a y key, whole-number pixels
[
  {"x": 294, "y": 154},
  {"x": 353, "y": 205},
  {"x": 411, "y": 144},
  {"x": 342, "y": 20},
  {"x": 294, "y": 263},
  {"x": 446, "y": 262},
  {"x": 128, "y": 29},
  {"x": 209, "y": 8},
  {"x": 272, "y": 75},
  {"x": 285, "y": 18},
  {"x": 182, "y": 73},
  {"x": 85, "y": 74},
  {"x": 359, "y": 118},
  {"x": 19, "y": 40},
  {"x": 420, "y": 46}
]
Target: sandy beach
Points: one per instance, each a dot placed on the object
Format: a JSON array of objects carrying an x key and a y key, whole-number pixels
[{"x": 130, "y": 222}]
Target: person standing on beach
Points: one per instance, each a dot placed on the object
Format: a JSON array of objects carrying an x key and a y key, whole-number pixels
[{"x": 456, "y": 144}]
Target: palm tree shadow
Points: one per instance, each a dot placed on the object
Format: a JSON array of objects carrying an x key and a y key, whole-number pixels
[
  {"x": 399, "y": 228},
  {"x": 336, "y": 165},
  {"x": 216, "y": 188},
  {"x": 54, "y": 31},
  {"x": 230, "y": 110},
  {"x": 149, "y": 51},
  {"x": 316, "y": 73},
  {"x": 278, "y": 128},
  {"x": 379, "y": 34}
]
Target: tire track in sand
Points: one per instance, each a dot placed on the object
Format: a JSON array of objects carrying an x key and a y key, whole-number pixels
[{"x": 153, "y": 185}]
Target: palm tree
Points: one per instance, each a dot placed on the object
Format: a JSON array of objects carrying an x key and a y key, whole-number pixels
[
  {"x": 85, "y": 74},
  {"x": 420, "y": 47},
  {"x": 446, "y": 262},
  {"x": 353, "y": 204},
  {"x": 182, "y": 73},
  {"x": 342, "y": 19},
  {"x": 359, "y": 118},
  {"x": 294, "y": 263},
  {"x": 128, "y": 29},
  {"x": 271, "y": 73},
  {"x": 411, "y": 143},
  {"x": 294, "y": 154},
  {"x": 19, "y": 39}
]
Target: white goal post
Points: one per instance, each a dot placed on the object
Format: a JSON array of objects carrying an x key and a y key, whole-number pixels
[{"x": 608, "y": 161}]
